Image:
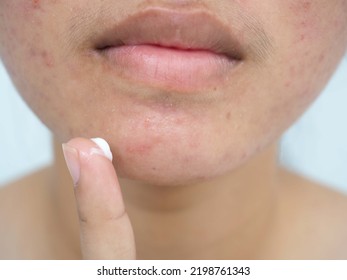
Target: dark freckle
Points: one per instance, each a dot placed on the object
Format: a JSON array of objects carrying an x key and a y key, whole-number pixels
[{"x": 228, "y": 116}]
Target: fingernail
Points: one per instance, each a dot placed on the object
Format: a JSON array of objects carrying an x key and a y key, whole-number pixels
[
  {"x": 104, "y": 147},
  {"x": 72, "y": 161}
]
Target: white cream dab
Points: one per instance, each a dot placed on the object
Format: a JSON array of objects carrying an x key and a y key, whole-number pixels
[{"x": 103, "y": 145}]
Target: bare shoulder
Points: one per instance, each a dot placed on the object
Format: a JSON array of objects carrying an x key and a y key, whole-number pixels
[
  {"x": 20, "y": 206},
  {"x": 21, "y": 190},
  {"x": 318, "y": 216}
]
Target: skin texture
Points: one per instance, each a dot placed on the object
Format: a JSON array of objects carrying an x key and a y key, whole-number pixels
[
  {"x": 172, "y": 148},
  {"x": 148, "y": 132}
]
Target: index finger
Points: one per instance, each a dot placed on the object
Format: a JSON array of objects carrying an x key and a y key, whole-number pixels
[{"x": 105, "y": 228}]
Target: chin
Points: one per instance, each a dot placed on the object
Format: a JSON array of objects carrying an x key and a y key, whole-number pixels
[{"x": 175, "y": 165}]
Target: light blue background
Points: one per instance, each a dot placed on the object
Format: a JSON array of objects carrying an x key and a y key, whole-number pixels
[{"x": 315, "y": 146}]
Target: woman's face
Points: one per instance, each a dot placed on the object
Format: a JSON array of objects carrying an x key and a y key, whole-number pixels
[{"x": 182, "y": 90}]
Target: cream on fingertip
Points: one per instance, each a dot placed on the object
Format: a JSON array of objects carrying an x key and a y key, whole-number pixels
[{"x": 103, "y": 145}]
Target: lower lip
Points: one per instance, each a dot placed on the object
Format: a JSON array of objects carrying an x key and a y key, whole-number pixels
[{"x": 169, "y": 68}]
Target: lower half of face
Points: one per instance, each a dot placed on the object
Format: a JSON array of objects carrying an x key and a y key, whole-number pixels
[{"x": 172, "y": 115}]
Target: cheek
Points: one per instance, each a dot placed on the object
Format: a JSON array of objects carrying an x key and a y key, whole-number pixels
[
  {"x": 26, "y": 51},
  {"x": 319, "y": 22},
  {"x": 20, "y": 35},
  {"x": 28, "y": 33},
  {"x": 311, "y": 47}
]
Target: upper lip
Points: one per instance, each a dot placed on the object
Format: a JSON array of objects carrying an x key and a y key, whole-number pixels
[{"x": 188, "y": 30}]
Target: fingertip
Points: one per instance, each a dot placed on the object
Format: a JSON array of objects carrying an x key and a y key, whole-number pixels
[
  {"x": 90, "y": 147},
  {"x": 79, "y": 155},
  {"x": 71, "y": 156}
]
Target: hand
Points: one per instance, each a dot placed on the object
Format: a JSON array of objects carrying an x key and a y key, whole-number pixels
[{"x": 105, "y": 228}]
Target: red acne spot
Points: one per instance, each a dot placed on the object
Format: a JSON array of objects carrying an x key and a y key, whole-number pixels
[
  {"x": 143, "y": 148},
  {"x": 293, "y": 71},
  {"x": 187, "y": 159},
  {"x": 179, "y": 121},
  {"x": 36, "y": 4},
  {"x": 47, "y": 59},
  {"x": 140, "y": 149},
  {"x": 306, "y": 5},
  {"x": 32, "y": 52},
  {"x": 287, "y": 84},
  {"x": 147, "y": 123},
  {"x": 193, "y": 145},
  {"x": 300, "y": 6},
  {"x": 321, "y": 57},
  {"x": 303, "y": 23}
]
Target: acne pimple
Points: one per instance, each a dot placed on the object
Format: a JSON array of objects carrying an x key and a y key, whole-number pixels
[
  {"x": 305, "y": 22},
  {"x": 302, "y": 37},
  {"x": 321, "y": 57},
  {"x": 140, "y": 149},
  {"x": 306, "y": 5},
  {"x": 36, "y": 4},
  {"x": 47, "y": 59},
  {"x": 179, "y": 121},
  {"x": 288, "y": 84}
]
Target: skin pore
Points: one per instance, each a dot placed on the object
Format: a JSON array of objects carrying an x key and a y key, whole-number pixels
[{"x": 198, "y": 170}]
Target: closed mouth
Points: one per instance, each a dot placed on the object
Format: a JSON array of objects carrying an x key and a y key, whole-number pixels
[
  {"x": 190, "y": 31},
  {"x": 169, "y": 49}
]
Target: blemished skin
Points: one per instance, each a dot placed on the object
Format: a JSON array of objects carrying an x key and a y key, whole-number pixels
[{"x": 196, "y": 161}]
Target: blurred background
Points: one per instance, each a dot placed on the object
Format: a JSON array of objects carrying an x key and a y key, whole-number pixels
[{"x": 315, "y": 146}]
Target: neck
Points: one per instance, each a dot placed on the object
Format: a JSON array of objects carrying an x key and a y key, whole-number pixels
[{"x": 224, "y": 218}]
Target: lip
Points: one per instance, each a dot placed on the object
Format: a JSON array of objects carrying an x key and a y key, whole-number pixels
[{"x": 178, "y": 50}]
